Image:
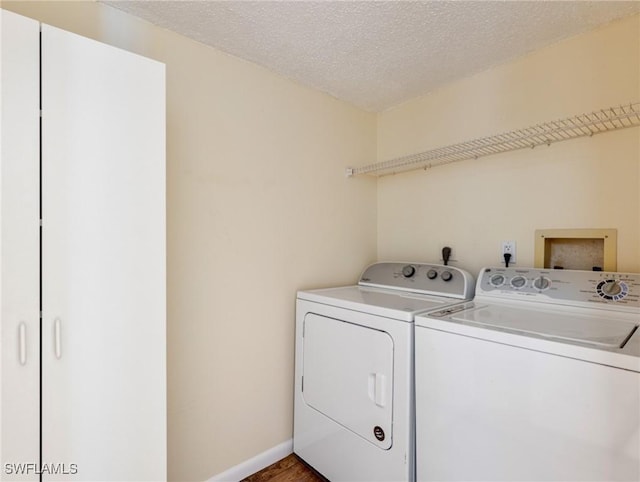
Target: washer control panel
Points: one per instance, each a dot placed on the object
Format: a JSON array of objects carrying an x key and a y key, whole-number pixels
[
  {"x": 420, "y": 277},
  {"x": 561, "y": 286}
]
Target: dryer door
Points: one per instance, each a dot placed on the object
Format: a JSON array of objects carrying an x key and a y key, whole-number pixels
[{"x": 348, "y": 376}]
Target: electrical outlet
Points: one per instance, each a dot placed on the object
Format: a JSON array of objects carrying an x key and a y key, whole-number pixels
[{"x": 508, "y": 247}]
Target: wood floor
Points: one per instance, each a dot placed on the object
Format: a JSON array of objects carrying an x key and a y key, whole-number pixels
[{"x": 289, "y": 469}]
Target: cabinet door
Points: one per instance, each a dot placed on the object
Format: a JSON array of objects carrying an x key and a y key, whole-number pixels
[
  {"x": 19, "y": 247},
  {"x": 103, "y": 262}
]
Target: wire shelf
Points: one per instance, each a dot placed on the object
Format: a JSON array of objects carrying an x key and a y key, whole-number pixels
[{"x": 584, "y": 125}]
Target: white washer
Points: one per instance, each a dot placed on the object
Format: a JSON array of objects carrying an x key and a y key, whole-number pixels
[
  {"x": 537, "y": 379},
  {"x": 354, "y": 398}
]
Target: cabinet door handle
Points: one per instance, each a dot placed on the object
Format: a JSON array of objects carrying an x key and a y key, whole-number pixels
[
  {"x": 57, "y": 328},
  {"x": 22, "y": 343}
]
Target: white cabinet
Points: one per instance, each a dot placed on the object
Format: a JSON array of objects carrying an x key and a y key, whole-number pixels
[
  {"x": 89, "y": 401},
  {"x": 19, "y": 244}
]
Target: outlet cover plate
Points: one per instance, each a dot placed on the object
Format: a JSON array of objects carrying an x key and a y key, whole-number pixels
[{"x": 508, "y": 247}]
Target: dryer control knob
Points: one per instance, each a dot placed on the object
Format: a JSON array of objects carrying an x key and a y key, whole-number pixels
[
  {"x": 446, "y": 276},
  {"x": 541, "y": 283},
  {"x": 432, "y": 274},
  {"x": 496, "y": 280},
  {"x": 408, "y": 271},
  {"x": 518, "y": 282}
]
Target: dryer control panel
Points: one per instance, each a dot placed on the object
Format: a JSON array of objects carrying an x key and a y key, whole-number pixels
[
  {"x": 434, "y": 279},
  {"x": 568, "y": 287}
]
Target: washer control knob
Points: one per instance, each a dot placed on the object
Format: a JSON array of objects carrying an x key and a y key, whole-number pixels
[
  {"x": 612, "y": 288},
  {"x": 496, "y": 280},
  {"x": 518, "y": 282},
  {"x": 541, "y": 283},
  {"x": 446, "y": 276},
  {"x": 432, "y": 274},
  {"x": 408, "y": 271}
]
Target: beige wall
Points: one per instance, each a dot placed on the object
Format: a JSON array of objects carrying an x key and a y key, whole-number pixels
[
  {"x": 474, "y": 205},
  {"x": 258, "y": 207}
]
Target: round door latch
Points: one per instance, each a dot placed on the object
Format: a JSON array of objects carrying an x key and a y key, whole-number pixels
[{"x": 378, "y": 432}]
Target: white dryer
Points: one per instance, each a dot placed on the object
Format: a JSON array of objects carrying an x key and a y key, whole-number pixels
[
  {"x": 537, "y": 379},
  {"x": 354, "y": 397}
]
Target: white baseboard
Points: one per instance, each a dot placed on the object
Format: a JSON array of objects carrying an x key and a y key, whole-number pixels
[{"x": 255, "y": 464}]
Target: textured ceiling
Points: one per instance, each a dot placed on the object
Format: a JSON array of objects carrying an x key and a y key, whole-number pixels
[{"x": 377, "y": 54}]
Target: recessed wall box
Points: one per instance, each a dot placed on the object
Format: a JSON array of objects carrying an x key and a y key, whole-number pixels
[{"x": 585, "y": 249}]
